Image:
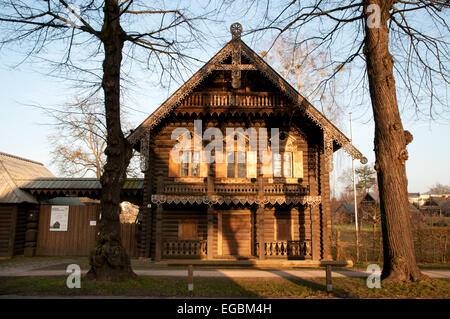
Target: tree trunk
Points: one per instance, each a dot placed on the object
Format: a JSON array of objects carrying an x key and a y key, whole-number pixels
[
  {"x": 390, "y": 151},
  {"x": 109, "y": 260}
]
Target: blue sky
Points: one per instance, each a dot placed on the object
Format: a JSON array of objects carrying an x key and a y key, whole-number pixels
[{"x": 24, "y": 132}]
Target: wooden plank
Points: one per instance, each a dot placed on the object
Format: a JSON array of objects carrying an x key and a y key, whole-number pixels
[
  {"x": 7, "y": 229},
  {"x": 219, "y": 233},
  {"x": 79, "y": 238}
]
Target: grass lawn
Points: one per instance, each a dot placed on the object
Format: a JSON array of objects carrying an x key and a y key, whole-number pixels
[{"x": 225, "y": 287}]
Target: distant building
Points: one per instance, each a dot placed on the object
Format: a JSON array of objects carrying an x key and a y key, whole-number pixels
[
  {"x": 369, "y": 209},
  {"x": 436, "y": 206},
  {"x": 431, "y": 204},
  {"x": 344, "y": 214},
  {"x": 418, "y": 199}
]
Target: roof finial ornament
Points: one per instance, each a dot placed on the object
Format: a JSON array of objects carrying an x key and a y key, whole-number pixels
[{"x": 236, "y": 30}]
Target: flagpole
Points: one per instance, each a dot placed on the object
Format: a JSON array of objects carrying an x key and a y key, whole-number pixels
[{"x": 354, "y": 193}]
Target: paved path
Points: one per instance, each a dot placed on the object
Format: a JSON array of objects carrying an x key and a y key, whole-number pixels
[
  {"x": 228, "y": 273},
  {"x": 23, "y": 267}
]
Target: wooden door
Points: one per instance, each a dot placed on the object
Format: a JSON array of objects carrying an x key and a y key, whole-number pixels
[{"x": 236, "y": 233}]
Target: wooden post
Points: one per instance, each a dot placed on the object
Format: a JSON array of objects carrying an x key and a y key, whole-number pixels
[
  {"x": 328, "y": 279},
  {"x": 260, "y": 215},
  {"x": 210, "y": 238},
  {"x": 190, "y": 278},
  {"x": 158, "y": 233},
  {"x": 30, "y": 234},
  {"x": 315, "y": 232},
  {"x": 338, "y": 245}
]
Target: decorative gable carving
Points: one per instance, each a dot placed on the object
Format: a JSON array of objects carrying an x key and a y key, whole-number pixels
[{"x": 237, "y": 49}]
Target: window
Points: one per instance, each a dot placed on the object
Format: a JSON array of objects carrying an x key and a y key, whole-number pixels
[
  {"x": 287, "y": 164},
  {"x": 195, "y": 165},
  {"x": 236, "y": 168},
  {"x": 185, "y": 164},
  {"x": 230, "y": 164},
  {"x": 276, "y": 165},
  {"x": 190, "y": 163},
  {"x": 187, "y": 230},
  {"x": 282, "y": 164},
  {"x": 241, "y": 165},
  {"x": 283, "y": 229}
]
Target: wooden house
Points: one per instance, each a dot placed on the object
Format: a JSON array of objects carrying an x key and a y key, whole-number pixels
[
  {"x": 240, "y": 207},
  {"x": 17, "y": 207},
  {"x": 344, "y": 214}
]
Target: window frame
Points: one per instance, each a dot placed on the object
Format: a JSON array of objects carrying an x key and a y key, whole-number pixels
[
  {"x": 282, "y": 162},
  {"x": 190, "y": 164},
  {"x": 238, "y": 167}
]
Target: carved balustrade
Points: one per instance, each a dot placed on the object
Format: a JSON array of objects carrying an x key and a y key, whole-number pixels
[
  {"x": 184, "y": 248},
  {"x": 235, "y": 188},
  {"x": 286, "y": 249},
  {"x": 225, "y": 99}
]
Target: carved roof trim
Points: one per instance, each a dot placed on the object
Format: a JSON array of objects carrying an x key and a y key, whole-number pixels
[{"x": 213, "y": 64}]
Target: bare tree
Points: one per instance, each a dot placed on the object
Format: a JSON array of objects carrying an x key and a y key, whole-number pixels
[
  {"x": 94, "y": 32},
  {"x": 439, "y": 188},
  {"x": 304, "y": 69},
  {"x": 414, "y": 35},
  {"x": 78, "y": 140}
]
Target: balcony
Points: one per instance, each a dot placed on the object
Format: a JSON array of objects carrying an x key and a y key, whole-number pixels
[
  {"x": 226, "y": 99},
  {"x": 234, "y": 189},
  {"x": 250, "y": 191}
]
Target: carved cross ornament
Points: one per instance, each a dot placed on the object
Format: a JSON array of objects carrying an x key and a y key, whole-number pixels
[{"x": 236, "y": 65}]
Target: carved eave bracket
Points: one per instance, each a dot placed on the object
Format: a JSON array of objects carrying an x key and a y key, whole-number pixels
[
  {"x": 354, "y": 153},
  {"x": 144, "y": 154},
  {"x": 310, "y": 201},
  {"x": 328, "y": 150}
]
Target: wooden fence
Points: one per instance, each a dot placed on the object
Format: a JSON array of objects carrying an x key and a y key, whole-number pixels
[
  {"x": 80, "y": 236},
  {"x": 129, "y": 240},
  {"x": 431, "y": 244}
]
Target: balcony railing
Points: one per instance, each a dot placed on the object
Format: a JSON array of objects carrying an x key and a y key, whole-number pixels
[
  {"x": 242, "y": 100},
  {"x": 286, "y": 189},
  {"x": 286, "y": 249},
  {"x": 234, "y": 188},
  {"x": 184, "y": 248},
  {"x": 185, "y": 188},
  {"x": 228, "y": 188}
]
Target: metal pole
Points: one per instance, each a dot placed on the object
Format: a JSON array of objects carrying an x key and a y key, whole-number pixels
[{"x": 354, "y": 193}]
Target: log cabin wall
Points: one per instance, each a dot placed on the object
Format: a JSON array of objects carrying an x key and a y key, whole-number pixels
[{"x": 308, "y": 223}]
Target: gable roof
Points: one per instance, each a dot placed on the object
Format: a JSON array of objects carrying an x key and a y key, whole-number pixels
[
  {"x": 370, "y": 196},
  {"x": 13, "y": 171},
  {"x": 237, "y": 44},
  {"x": 346, "y": 208}
]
